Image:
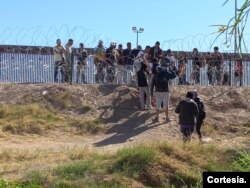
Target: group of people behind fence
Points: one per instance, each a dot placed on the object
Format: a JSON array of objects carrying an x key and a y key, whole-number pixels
[
  {"x": 218, "y": 70},
  {"x": 64, "y": 61},
  {"x": 117, "y": 65}
]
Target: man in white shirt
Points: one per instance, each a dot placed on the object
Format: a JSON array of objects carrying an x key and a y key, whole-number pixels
[{"x": 59, "y": 57}]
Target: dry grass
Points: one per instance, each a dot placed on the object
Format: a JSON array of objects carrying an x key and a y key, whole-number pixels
[
  {"x": 37, "y": 119},
  {"x": 93, "y": 126},
  {"x": 164, "y": 164},
  {"x": 43, "y": 137},
  {"x": 28, "y": 118}
]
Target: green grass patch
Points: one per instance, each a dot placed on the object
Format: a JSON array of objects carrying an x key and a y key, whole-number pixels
[
  {"x": 133, "y": 160},
  {"x": 241, "y": 162},
  {"x": 37, "y": 177},
  {"x": 11, "y": 184},
  {"x": 75, "y": 170}
]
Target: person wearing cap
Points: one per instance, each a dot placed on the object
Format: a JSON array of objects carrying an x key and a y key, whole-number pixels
[
  {"x": 142, "y": 71},
  {"x": 99, "y": 61},
  {"x": 169, "y": 62},
  {"x": 160, "y": 88},
  {"x": 110, "y": 54},
  {"x": 188, "y": 114},
  {"x": 201, "y": 115}
]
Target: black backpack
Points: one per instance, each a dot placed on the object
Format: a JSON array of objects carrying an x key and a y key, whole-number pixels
[
  {"x": 202, "y": 112},
  {"x": 161, "y": 83}
]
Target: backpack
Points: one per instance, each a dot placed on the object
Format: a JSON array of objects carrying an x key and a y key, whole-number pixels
[
  {"x": 201, "y": 108},
  {"x": 161, "y": 83}
]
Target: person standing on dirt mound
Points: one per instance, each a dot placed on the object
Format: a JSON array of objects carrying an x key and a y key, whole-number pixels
[
  {"x": 201, "y": 115},
  {"x": 188, "y": 114},
  {"x": 160, "y": 83},
  {"x": 142, "y": 70}
]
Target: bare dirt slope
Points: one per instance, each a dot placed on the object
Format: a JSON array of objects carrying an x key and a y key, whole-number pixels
[{"x": 227, "y": 122}]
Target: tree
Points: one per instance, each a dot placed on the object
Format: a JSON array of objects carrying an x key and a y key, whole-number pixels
[{"x": 236, "y": 26}]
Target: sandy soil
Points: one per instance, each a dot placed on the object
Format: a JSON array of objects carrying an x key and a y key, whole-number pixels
[{"x": 227, "y": 122}]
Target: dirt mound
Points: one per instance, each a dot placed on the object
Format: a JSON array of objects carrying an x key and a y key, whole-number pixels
[
  {"x": 72, "y": 100},
  {"x": 118, "y": 108}
]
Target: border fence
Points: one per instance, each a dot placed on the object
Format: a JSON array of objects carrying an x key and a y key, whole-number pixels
[{"x": 26, "y": 64}]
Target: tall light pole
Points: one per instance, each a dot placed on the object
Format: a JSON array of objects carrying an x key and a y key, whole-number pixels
[{"x": 137, "y": 31}]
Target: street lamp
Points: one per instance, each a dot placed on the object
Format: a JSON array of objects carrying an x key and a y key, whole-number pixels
[{"x": 137, "y": 31}]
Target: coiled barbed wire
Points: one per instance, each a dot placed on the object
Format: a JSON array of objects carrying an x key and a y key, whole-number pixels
[
  {"x": 30, "y": 49},
  {"x": 46, "y": 36}
]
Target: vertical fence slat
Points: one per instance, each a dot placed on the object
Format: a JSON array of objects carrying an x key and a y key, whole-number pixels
[{"x": 39, "y": 68}]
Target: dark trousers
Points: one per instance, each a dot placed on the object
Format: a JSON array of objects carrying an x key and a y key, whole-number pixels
[
  {"x": 198, "y": 126},
  {"x": 186, "y": 133},
  {"x": 56, "y": 68}
]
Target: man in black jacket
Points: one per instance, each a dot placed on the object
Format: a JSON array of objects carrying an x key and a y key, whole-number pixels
[
  {"x": 160, "y": 87},
  {"x": 142, "y": 81},
  {"x": 155, "y": 52},
  {"x": 188, "y": 114}
]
